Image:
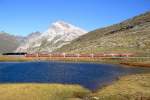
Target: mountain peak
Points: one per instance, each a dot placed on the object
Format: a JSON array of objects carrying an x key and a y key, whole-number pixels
[
  {"x": 62, "y": 24},
  {"x": 58, "y": 34}
]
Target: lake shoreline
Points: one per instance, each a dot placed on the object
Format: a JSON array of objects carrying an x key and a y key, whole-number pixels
[
  {"x": 135, "y": 83},
  {"x": 79, "y": 60}
]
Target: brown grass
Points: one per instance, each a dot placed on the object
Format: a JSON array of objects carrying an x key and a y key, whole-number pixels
[
  {"x": 137, "y": 64},
  {"x": 131, "y": 87},
  {"x": 11, "y": 58}
]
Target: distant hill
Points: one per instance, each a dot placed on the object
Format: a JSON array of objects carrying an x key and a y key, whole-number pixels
[
  {"x": 132, "y": 35},
  {"x": 9, "y": 43}
]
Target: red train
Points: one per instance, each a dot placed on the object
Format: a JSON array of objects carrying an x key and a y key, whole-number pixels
[{"x": 80, "y": 55}]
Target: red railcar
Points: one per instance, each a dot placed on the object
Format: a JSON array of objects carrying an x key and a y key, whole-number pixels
[
  {"x": 71, "y": 55},
  {"x": 85, "y": 55},
  {"x": 43, "y": 55},
  {"x": 31, "y": 55},
  {"x": 127, "y": 55},
  {"x": 98, "y": 55},
  {"x": 57, "y": 55},
  {"x": 118, "y": 55},
  {"x": 111, "y": 55}
]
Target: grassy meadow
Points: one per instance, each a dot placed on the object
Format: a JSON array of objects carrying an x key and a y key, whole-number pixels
[
  {"x": 131, "y": 87},
  {"x": 41, "y": 92}
]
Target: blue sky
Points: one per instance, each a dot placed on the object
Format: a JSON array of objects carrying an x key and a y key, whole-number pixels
[{"x": 21, "y": 17}]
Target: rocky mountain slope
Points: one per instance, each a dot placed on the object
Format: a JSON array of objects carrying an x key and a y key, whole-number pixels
[
  {"x": 59, "y": 33},
  {"x": 132, "y": 35},
  {"x": 9, "y": 43}
]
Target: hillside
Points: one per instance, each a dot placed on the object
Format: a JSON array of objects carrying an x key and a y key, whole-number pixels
[
  {"x": 8, "y": 43},
  {"x": 132, "y": 35}
]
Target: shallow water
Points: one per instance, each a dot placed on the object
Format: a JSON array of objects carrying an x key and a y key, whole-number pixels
[{"x": 90, "y": 76}]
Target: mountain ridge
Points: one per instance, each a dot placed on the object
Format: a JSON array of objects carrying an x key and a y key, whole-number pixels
[
  {"x": 57, "y": 35},
  {"x": 9, "y": 43}
]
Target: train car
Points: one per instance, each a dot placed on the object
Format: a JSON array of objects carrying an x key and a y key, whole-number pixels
[
  {"x": 31, "y": 55},
  {"x": 127, "y": 55},
  {"x": 98, "y": 55},
  {"x": 85, "y": 55},
  {"x": 43, "y": 55},
  {"x": 112, "y": 55},
  {"x": 118, "y": 55},
  {"x": 71, "y": 55},
  {"x": 57, "y": 55}
]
